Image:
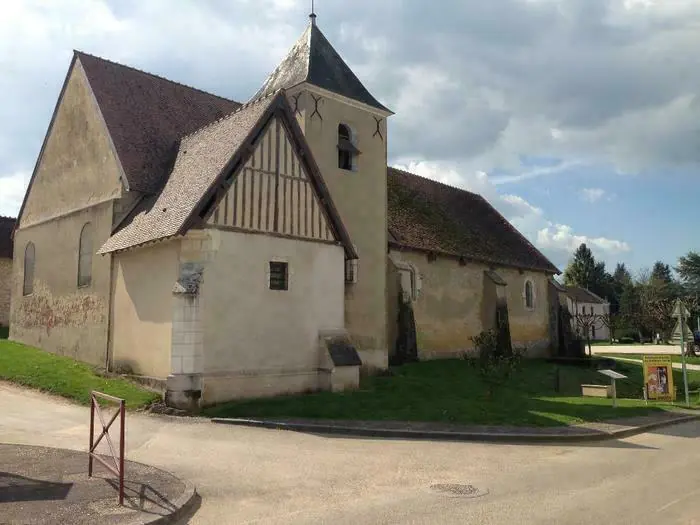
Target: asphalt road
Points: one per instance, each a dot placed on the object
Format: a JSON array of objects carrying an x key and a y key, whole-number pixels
[{"x": 247, "y": 475}]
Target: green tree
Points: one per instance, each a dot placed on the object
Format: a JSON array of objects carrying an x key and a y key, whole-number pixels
[
  {"x": 661, "y": 272},
  {"x": 621, "y": 275},
  {"x": 630, "y": 308},
  {"x": 583, "y": 270},
  {"x": 689, "y": 271}
]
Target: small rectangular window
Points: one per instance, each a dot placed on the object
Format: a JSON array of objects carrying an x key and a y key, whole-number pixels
[{"x": 279, "y": 275}]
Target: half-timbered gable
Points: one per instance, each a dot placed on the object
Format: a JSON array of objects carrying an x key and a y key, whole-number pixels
[{"x": 274, "y": 193}]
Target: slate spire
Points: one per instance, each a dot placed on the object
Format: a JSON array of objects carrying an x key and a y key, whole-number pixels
[{"x": 313, "y": 59}]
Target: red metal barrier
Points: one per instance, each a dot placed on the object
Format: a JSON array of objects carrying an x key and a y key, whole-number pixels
[{"x": 118, "y": 468}]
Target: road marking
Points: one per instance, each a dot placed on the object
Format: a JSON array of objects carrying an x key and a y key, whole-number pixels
[{"x": 661, "y": 509}]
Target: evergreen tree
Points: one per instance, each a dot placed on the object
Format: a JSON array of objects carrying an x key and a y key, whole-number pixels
[
  {"x": 662, "y": 273},
  {"x": 586, "y": 272},
  {"x": 689, "y": 271}
]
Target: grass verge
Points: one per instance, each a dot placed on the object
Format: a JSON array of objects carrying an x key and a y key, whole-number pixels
[
  {"x": 452, "y": 391},
  {"x": 65, "y": 377}
]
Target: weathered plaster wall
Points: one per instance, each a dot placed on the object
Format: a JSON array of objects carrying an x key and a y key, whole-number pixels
[
  {"x": 143, "y": 308},
  {"x": 5, "y": 290},
  {"x": 529, "y": 328},
  {"x": 454, "y": 300},
  {"x": 58, "y": 316},
  {"x": 78, "y": 167},
  {"x": 361, "y": 199},
  {"x": 259, "y": 341},
  {"x": 448, "y": 310}
]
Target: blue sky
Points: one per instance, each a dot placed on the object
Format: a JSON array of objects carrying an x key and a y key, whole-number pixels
[
  {"x": 578, "y": 119},
  {"x": 657, "y": 214}
]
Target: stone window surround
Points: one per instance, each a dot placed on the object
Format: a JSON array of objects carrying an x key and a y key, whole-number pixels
[
  {"x": 533, "y": 294},
  {"x": 268, "y": 276},
  {"x": 84, "y": 280},
  {"x": 28, "y": 274},
  {"x": 353, "y": 140}
]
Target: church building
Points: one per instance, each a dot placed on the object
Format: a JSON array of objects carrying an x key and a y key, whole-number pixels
[{"x": 227, "y": 250}]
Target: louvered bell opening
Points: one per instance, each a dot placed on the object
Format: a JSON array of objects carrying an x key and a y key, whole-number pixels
[{"x": 345, "y": 145}]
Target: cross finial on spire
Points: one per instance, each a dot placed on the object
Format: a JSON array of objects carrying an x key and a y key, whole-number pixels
[{"x": 312, "y": 16}]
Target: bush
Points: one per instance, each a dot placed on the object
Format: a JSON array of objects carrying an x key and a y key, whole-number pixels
[
  {"x": 495, "y": 363},
  {"x": 627, "y": 333},
  {"x": 627, "y": 340}
]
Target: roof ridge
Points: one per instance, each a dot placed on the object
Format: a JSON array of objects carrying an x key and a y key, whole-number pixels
[
  {"x": 405, "y": 172},
  {"x": 159, "y": 77},
  {"x": 242, "y": 107}
]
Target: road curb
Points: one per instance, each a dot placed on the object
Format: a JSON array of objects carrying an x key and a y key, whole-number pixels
[
  {"x": 182, "y": 504},
  {"x": 437, "y": 435}
]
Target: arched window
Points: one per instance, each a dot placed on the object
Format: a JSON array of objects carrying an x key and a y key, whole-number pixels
[
  {"x": 529, "y": 295},
  {"x": 347, "y": 152},
  {"x": 85, "y": 256},
  {"x": 28, "y": 286}
]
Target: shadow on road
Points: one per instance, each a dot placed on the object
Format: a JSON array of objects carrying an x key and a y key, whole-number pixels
[
  {"x": 186, "y": 518},
  {"x": 690, "y": 429},
  {"x": 608, "y": 443},
  {"x": 20, "y": 488},
  {"x": 142, "y": 497}
]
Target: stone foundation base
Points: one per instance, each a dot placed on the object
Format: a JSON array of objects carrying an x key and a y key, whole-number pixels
[
  {"x": 374, "y": 360},
  {"x": 221, "y": 386},
  {"x": 184, "y": 391}
]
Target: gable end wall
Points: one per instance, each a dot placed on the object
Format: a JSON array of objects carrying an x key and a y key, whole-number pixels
[{"x": 76, "y": 181}]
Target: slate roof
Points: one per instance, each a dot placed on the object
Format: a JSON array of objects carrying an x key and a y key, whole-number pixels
[
  {"x": 581, "y": 295},
  {"x": 313, "y": 59},
  {"x": 434, "y": 217},
  {"x": 199, "y": 160},
  {"x": 202, "y": 161},
  {"x": 146, "y": 115},
  {"x": 7, "y": 224}
]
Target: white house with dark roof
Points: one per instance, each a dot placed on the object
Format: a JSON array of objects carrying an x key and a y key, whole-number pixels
[
  {"x": 589, "y": 305},
  {"x": 231, "y": 250}
]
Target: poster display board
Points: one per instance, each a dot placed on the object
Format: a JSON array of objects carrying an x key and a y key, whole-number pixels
[{"x": 658, "y": 377}]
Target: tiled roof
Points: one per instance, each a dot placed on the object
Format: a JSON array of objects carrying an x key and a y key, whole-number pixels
[
  {"x": 7, "y": 224},
  {"x": 313, "y": 59},
  {"x": 431, "y": 216},
  {"x": 582, "y": 295},
  {"x": 199, "y": 160},
  {"x": 146, "y": 115}
]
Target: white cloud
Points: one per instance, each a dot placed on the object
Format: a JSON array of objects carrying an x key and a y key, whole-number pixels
[
  {"x": 561, "y": 237},
  {"x": 12, "y": 188},
  {"x": 592, "y": 194},
  {"x": 536, "y": 172}
]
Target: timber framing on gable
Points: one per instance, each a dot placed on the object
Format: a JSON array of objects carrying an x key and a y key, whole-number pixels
[
  {"x": 273, "y": 193},
  {"x": 273, "y": 185}
]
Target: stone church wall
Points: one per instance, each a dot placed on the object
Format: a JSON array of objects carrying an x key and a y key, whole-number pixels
[
  {"x": 450, "y": 309},
  {"x": 59, "y": 316},
  {"x": 5, "y": 287}
]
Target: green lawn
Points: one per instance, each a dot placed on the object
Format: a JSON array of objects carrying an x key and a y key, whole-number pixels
[
  {"x": 451, "y": 391},
  {"x": 674, "y": 358},
  {"x": 64, "y": 376}
]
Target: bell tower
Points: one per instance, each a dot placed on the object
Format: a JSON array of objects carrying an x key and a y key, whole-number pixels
[{"x": 346, "y": 129}]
